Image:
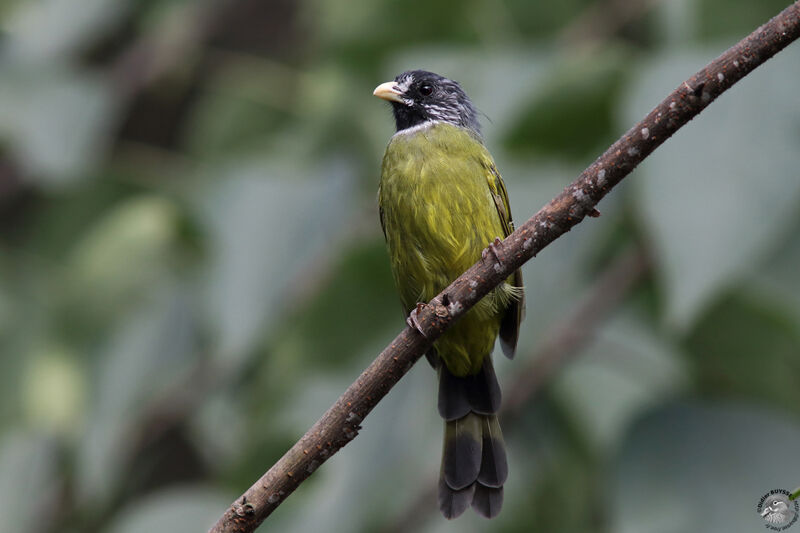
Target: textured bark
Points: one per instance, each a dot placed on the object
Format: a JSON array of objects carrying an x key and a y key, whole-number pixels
[{"x": 341, "y": 423}]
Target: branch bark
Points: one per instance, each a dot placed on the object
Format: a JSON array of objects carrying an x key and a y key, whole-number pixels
[{"x": 342, "y": 422}]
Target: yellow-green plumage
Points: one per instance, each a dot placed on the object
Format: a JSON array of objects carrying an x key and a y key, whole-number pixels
[
  {"x": 442, "y": 202},
  {"x": 438, "y": 198}
]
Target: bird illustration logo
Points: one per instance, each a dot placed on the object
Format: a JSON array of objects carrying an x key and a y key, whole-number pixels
[{"x": 778, "y": 509}]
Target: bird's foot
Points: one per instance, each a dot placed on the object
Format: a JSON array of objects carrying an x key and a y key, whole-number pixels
[
  {"x": 413, "y": 318},
  {"x": 493, "y": 249}
]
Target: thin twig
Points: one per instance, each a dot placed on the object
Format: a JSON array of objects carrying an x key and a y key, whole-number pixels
[{"x": 342, "y": 422}]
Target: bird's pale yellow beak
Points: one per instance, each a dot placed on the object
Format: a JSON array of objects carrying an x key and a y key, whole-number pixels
[{"x": 389, "y": 91}]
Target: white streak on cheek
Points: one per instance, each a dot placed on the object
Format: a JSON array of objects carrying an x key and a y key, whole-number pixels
[{"x": 404, "y": 84}]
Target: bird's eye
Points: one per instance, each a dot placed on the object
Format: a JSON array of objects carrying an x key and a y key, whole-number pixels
[{"x": 426, "y": 89}]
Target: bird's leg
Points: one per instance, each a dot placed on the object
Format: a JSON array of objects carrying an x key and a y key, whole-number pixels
[
  {"x": 413, "y": 321},
  {"x": 493, "y": 249}
]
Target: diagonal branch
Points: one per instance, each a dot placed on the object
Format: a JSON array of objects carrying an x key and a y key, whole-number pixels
[{"x": 341, "y": 423}]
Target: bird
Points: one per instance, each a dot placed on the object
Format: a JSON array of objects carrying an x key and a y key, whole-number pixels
[
  {"x": 777, "y": 510},
  {"x": 443, "y": 206}
]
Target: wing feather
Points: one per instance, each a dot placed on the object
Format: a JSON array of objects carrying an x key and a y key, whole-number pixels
[{"x": 509, "y": 326}]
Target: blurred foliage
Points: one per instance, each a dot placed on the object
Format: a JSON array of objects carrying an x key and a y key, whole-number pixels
[
  {"x": 192, "y": 270},
  {"x": 574, "y": 116}
]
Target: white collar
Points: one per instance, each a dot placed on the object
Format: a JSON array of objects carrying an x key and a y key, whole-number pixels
[{"x": 419, "y": 127}]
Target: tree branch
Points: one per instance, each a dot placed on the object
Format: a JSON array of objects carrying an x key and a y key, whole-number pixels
[{"x": 341, "y": 423}]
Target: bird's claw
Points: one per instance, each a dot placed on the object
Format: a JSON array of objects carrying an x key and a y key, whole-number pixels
[
  {"x": 493, "y": 249},
  {"x": 413, "y": 319}
]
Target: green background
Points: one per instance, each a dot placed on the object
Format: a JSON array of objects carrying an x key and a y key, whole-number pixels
[{"x": 192, "y": 270}]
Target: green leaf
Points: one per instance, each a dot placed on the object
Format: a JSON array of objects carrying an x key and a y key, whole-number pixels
[
  {"x": 573, "y": 115},
  {"x": 243, "y": 104},
  {"x": 54, "y": 390},
  {"x": 719, "y": 195},
  {"x": 148, "y": 352},
  {"x": 55, "y": 122},
  {"x": 123, "y": 254},
  {"x": 49, "y": 30},
  {"x": 747, "y": 346},
  {"x": 334, "y": 328},
  {"x": 625, "y": 370},
  {"x": 265, "y": 221}
]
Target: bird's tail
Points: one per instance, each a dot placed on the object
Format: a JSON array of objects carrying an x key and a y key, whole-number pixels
[{"x": 474, "y": 466}]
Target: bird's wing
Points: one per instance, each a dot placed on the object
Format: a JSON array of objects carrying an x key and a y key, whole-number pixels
[
  {"x": 500, "y": 195},
  {"x": 509, "y": 327},
  {"x": 380, "y": 213},
  {"x": 383, "y": 224}
]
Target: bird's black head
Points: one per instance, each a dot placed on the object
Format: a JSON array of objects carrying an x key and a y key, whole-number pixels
[{"x": 419, "y": 96}]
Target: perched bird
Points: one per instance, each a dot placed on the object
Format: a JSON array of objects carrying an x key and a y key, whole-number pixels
[{"x": 442, "y": 202}]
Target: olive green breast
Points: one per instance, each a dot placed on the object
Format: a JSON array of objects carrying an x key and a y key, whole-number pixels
[{"x": 438, "y": 215}]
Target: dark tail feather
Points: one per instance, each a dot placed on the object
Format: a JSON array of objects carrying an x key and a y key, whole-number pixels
[
  {"x": 479, "y": 393},
  {"x": 487, "y": 501},
  {"x": 474, "y": 466},
  {"x": 454, "y": 502},
  {"x": 462, "y": 454},
  {"x": 494, "y": 467}
]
